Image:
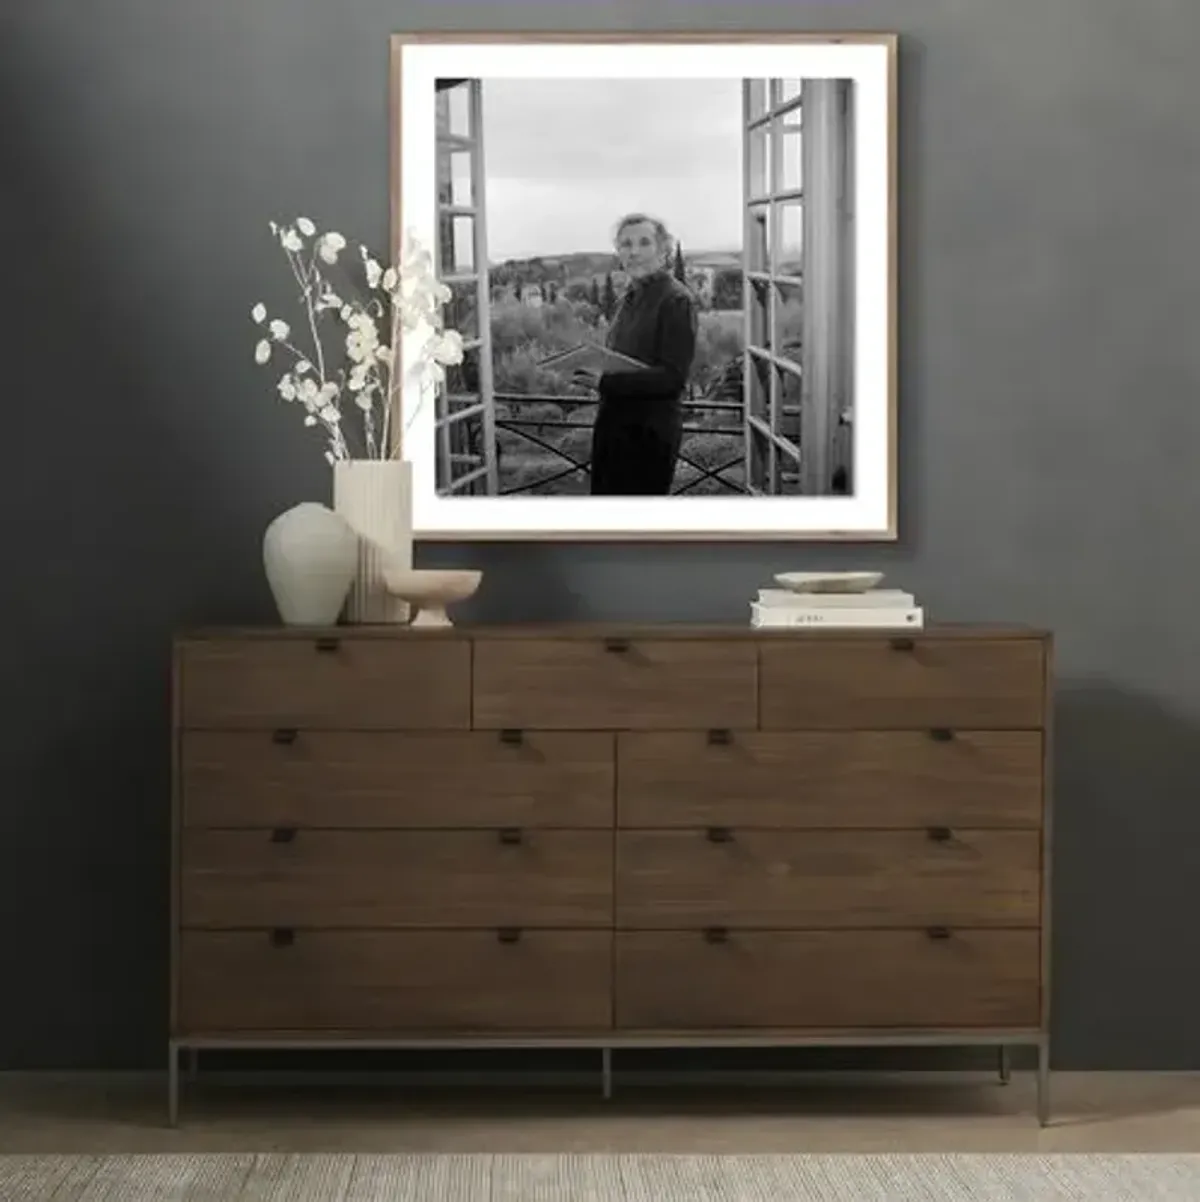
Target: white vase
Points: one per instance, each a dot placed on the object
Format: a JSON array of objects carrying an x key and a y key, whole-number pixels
[
  {"x": 310, "y": 555},
  {"x": 375, "y": 498}
]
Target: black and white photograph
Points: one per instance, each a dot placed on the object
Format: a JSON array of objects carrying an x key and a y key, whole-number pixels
[{"x": 657, "y": 274}]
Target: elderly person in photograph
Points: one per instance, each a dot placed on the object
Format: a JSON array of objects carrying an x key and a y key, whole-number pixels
[{"x": 639, "y": 420}]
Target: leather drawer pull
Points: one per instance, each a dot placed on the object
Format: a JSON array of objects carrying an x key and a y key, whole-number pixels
[
  {"x": 286, "y": 735},
  {"x": 940, "y": 834},
  {"x": 508, "y": 934},
  {"x": 513, "y": 738},
  {"x": 283, "y": 937},
  {"x": 719, "y": 737},
  {"x": 616, "y": 645},
  {"x": 938, "y": 932},
  {"x": 327, "y": 643},
  {"x": 716, "y": 935},
  {"x": 719, "y": 834},
  {"x": 903, "y": 645},
  {"x": 510, "y": 834},
  {"x": 941, "y": 734},
  {"x": 283, "y": 834}
]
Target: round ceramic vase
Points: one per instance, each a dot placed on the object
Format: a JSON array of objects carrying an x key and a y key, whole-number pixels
[{"x": 310, "y": 555}]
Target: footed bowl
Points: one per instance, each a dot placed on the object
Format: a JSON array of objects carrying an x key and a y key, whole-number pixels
[{"x": 429, "y": 591}]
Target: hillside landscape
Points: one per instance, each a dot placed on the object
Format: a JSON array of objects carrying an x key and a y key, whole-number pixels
[{"x": 546, "y": 304}]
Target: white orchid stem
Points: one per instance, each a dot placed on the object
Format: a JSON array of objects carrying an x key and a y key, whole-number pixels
[
  {"x": 288, "y": 345},
  {"x": 412, "y": 303},
  {"x": 334, "y": 427},
  {"x": 391, "y": 398},
  {"x": 306, "y": 291},
  {"x": 306, "y": 285}
]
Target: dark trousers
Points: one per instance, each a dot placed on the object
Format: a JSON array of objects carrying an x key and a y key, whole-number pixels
[{"x": 634, "y": 448}]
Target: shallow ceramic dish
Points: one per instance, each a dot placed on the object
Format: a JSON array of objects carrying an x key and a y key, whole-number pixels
[
  {"x": 828, "y": 582},
  {"x": 430, "y": 590}
]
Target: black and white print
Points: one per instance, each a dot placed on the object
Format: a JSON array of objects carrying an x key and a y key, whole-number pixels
[{"x": 657, "y": 280}]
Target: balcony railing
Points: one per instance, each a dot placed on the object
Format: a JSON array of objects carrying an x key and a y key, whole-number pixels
[{"x": 469, "y": 460}]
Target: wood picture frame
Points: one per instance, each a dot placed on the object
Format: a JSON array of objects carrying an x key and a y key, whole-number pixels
[{"x": 511, "y": 160}]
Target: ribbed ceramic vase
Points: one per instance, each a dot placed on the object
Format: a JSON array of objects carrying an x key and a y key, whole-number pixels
[{"x": 375, "y": 498}]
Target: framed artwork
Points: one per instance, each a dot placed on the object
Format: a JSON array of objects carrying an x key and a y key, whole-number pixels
[{"x": 672, "y": 259}]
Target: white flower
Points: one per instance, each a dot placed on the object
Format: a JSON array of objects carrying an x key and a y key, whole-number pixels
[
  {"x": 415, "y": 259},
  {"x": 412, "y": 285},
  {"x": 448, "y": 347},
  {"x": 418, "y": 300},
  {"x": 329, "y": 246},
  {"x": 414, "y": 312},
  {"x": 408, "y": 296},
  {"x": 362, "y": 341}
]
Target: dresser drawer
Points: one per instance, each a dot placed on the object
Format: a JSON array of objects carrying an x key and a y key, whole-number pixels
[
  {"x": 753, "y": 878},
  {"x": 338, "y": 682},
  {"x": 796, "y": 779},
  {"x": 348, "y": 779},
  {"x": 582, "y": 683},
  {"x": 394, "y": 982},
  {"x": 396, "y": 879},
  {"x": 903, "y": 682},
  {"x": 827, "y": 980}
]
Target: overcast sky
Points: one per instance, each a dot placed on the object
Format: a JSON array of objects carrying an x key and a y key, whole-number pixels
[{"x": 566, "y": 158}]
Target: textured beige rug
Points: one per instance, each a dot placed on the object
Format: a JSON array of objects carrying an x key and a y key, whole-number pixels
[{"x": 598, "y": 1178}]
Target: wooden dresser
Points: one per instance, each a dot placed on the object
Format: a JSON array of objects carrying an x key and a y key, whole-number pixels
[{"x": 610, "y": 836}]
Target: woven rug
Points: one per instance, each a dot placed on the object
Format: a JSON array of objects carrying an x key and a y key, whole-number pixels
[{"x": 598, "y": 1178}]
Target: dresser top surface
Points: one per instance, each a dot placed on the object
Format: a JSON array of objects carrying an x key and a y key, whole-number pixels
[{"x": 629, "y": 630}]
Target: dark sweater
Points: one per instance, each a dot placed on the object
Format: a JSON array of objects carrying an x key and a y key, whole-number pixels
[{"x": 656, "y": 324}]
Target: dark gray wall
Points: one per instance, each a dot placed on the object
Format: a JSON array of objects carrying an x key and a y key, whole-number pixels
[{"x": 1050, "y": 162}]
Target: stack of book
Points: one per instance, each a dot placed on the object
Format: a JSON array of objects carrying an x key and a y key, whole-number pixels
[{"x": 881, "y": 608}]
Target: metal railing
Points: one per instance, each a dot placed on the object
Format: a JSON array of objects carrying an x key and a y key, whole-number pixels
[
  {"x": 470, "y": 458},
  {"x": 532, "y": 430}
]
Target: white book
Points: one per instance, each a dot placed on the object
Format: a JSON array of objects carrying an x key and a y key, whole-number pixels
[
  {"x": 871, "y": 616},
  {"x": 886, "y": 598}
]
